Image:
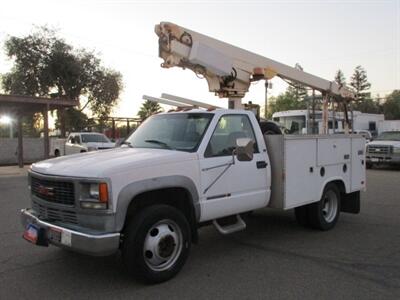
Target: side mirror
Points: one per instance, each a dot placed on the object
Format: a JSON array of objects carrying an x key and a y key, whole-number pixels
[
  {"x": 244, "y": 149},
  {"x": 72, "y": 140}
]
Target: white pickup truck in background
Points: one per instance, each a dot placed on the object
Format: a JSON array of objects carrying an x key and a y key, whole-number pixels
[
  {"x": 385, "y": 149},
  {"x": 78, "y": 142},
  {"x": 182, "y": 170}
]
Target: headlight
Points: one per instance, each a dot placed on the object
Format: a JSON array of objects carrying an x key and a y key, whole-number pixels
[
  {"x": 94, "y": 190},
  {"x": 396, "y": 150},
  {"x": 94, "y": 195}
]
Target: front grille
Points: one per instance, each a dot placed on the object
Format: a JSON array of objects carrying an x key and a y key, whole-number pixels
[
  {"x": 379, "y": 149},
  {"x": 53, "y": 214},
  {"x": 59, "y": 192}
]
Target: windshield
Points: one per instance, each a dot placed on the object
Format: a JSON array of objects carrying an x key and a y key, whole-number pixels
[
  {"x": 389, "y": 136},
  {"x": 182, "y": 131},
  {"x": 94, "y": 138},
  {"x": 294, "y": 124}
]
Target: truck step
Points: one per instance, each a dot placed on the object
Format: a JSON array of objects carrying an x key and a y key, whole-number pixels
[{"x": 231, "y": 228}]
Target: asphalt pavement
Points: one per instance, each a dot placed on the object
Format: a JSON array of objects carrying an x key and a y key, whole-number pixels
[{"x": 273, "y": 258}]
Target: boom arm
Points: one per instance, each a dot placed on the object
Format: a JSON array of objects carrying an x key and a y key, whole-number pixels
[{"x": 228, "y": 69}]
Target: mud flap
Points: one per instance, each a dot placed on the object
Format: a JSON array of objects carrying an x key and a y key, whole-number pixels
[{"x": 350, "y": 203}]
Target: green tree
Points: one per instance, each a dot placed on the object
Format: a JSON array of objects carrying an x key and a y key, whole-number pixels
[
  {"x": 148, "y": 108},
  {"x": 339, "y": 78},
  {"x": 298, "y": 90},
  {"x": 45, "y": 65},
  {"x": 75, "y": 120},
  {"x": 391, "y": 107},
  {"x": 368, "y": 105},
  {"x": 285, "y": 101},
  {"x": 360, "y": 84}
]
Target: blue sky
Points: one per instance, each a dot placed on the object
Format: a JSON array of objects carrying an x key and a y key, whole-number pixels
[{"x": 322, "y": 36}]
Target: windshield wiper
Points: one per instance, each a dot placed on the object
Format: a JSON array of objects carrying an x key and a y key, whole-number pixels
[{"x": 159, "y": 143}]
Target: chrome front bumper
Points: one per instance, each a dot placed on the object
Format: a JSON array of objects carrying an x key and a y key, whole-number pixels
[
  {"x": 383, "y": 158},
  {"x": 97, "y": 245}
]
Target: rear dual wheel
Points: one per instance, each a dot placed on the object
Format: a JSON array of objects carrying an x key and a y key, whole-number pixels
[{"x": 323, "y": 214}]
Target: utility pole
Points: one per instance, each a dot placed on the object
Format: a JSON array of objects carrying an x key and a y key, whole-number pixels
[
  {"x": 266, "y": 99},
  {"x": 325, "y": 114},
  {"x": 313, "y": 112},
  {"x": 333, "y": 116}
]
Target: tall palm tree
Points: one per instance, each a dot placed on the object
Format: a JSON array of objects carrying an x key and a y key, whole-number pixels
[{"x": 149, "y": 108}]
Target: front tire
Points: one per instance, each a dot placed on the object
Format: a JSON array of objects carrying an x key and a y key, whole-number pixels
[
  {"x": 324, "y": 214},
  {"x": 156, "y": 243}
]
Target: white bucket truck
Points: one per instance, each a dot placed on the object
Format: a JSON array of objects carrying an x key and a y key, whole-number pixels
[{"x": 183, "y": 169}]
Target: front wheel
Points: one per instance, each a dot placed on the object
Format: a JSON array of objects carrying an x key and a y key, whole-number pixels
[
  {"x": 156, "y": 243},
  {"x": 324, "y": 214}
]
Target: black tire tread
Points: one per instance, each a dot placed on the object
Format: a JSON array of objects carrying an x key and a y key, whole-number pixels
[
  {"x": 315, "y": 215},
  {"x": 133, "y": 243}
]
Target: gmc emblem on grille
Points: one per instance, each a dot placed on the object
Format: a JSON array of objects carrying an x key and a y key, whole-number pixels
[{"x": 45, "y": 190}]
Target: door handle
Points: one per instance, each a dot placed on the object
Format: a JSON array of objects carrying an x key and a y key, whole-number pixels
[{"x": 261, "y": 164}]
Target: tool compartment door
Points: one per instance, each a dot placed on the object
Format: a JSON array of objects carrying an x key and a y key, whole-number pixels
[
  {"x": 357, "y": 164},
  {"x": 332, "y": 151},
  {"x": 301, "y": 174}
]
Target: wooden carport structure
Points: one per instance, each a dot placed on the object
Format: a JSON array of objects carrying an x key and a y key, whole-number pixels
[
  {"x": 19, "y": 106},
  {"x": 129, "y": 121}
]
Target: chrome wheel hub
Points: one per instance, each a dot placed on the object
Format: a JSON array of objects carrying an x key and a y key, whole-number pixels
[{"x": 330, "y": 206}]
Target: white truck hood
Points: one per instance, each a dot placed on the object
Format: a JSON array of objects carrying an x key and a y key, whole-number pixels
[
  {"x": 385, "y": 143},
  {"x": 108, "y": 162}
]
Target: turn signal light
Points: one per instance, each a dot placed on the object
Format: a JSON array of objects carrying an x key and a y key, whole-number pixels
[{"x": 103, "y": 192}]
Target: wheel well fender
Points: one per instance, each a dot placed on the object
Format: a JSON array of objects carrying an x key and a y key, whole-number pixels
[
  {"x": 339, "y": 182},
  {"x": 150, "y": 191}
]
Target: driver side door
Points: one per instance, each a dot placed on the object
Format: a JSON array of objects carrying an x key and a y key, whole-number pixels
[{"x": 227, "y": 188}]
